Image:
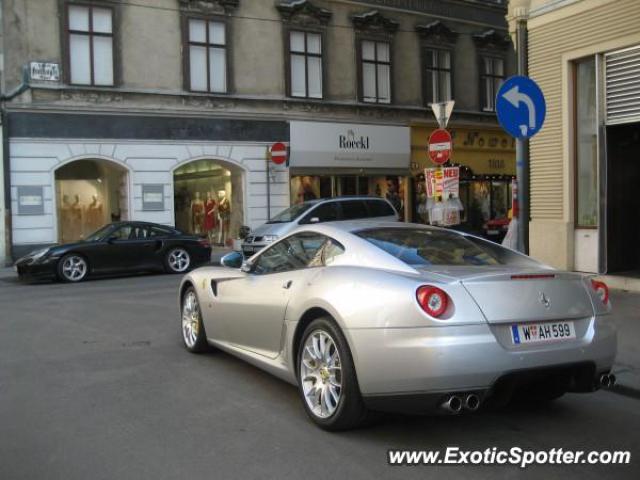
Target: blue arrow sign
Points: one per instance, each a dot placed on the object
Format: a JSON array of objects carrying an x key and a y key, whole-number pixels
[{"x": 520, "y": 107}]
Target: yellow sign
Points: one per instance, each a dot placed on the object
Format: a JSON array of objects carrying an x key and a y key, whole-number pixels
[{"x": 484, "y": 151}]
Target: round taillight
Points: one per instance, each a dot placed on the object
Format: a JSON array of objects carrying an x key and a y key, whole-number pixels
[
  {"x": 433, "y": 300},
  {"x": 602, "y": 290}
]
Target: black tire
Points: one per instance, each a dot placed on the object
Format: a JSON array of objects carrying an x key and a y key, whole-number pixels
[
  {"x": 194, "y": 343},
  {"x": 72, "y": 262},
  {"x": 350, "y": 411},
  {"x": 170, "y": 264}
]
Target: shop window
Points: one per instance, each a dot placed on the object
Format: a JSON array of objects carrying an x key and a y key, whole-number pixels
[
  {"x": 375, "y": 71},
  {"x": 90, "y": 45},
  {"x": 89, "y": 195},
  {"x": 305, "y": 64},
  {"x": 208, "y": 200},
  {"x": 437, "y": 75},
  {"x": 586, "y": 152},
  {"x": 207, "y": 55},
  {"x": 491, "y": 78}
]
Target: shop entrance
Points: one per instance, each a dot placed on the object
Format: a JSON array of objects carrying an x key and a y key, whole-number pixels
[
  {"x": 208, "y": 200},
  {"x": 89, "y": 194},
  {"x": 623, "y": 201},
  {"x": 311, "y": 187}
]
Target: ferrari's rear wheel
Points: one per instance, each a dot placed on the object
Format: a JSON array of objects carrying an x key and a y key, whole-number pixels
[
  {"x": 73, "y": 268},
  {"x": 327, "y": 379},
  {"x": 177, "y": 260},
  {"x": 193, "y": 334}
]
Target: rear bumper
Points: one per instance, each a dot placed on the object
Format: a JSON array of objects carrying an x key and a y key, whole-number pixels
[{"x": 418, "y": 361}]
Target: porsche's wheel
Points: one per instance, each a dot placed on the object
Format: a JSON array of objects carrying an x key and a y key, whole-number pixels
[
  {"x": 327, "y": 379},
  {"x": 193, "y": 334},
  {"x": 73, "y": 268},
  {"x": 177, "y": 260}
]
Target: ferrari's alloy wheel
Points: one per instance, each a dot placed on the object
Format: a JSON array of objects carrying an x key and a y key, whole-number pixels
[
  {"x": 193, "y": 333},
  {"x": 178, "y": 260},
  {"x": 73, "y": 268},
  {"x": 321, "y": 374}
]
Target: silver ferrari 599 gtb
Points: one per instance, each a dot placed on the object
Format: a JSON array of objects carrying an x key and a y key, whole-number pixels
[{"x": 367, "y": 317}]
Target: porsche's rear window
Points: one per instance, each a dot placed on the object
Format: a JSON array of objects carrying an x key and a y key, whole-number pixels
[{"x": 417, "y": 246}]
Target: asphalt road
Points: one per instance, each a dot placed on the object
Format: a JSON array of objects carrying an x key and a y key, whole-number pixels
[{"x": 95, "y": 383}]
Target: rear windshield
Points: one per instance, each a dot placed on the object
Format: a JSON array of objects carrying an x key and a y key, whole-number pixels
[
  {"x": 417, "y": 246},
  {"x": 291, "y": 213}
]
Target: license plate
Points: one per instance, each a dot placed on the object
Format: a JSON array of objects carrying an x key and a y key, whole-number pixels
[{"x": 542, "y": 332}]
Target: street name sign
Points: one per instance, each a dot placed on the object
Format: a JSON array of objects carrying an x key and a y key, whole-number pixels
[{"x": 520, "y": 107}]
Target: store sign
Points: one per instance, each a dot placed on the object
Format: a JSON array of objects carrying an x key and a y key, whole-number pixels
[
  {"x": 43, "y": 71},
  {"x": 153, "y": 197},
  {"x": 30, "y": 200},
  {"x": 335, "y": 145}
]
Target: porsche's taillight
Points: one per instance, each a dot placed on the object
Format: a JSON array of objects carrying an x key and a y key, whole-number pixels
[
  {"x": 601, "y": 289},
  {"x": 433, "y": 300},
  {"x": 204, "y": 243}
]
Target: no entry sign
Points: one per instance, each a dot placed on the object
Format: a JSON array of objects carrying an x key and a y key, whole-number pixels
[
  {"x": 440, "y": 146},
  {"x": 278, "y": 153}
]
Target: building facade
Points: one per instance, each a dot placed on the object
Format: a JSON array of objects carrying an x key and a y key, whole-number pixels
[
  {"x": 585, "y": 55},
  {"x": 165, "y": 110}
]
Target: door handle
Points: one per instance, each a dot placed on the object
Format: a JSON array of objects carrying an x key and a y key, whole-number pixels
[{"x": 286, "y": 285}]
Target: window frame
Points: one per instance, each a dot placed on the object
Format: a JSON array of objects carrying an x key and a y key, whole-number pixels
[
  {"x": 483, "y": 76},
  {"x": 287, "y": 56},
  {"x": 114, "y": 35},
  {"x": 375, "y": 39},
  {"x": 426, "y": 71},
  {"x": 186, "y": 52}
]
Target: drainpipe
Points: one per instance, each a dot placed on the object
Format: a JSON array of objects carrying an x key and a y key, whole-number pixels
[
  {"x": 6, "y": 167},
  {"x": 522, "y": 147}
]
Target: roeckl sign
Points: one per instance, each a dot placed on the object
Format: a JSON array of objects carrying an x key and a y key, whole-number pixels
[
  {"x": 349, "y": 145},
  {"x": 351, "y": 142}
]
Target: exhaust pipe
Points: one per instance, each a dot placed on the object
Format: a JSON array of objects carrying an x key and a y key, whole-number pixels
[
  {"x": 472, "y": 402},
  {"x": 453, "y": 404},
  {"x": 607, "y": 380}
]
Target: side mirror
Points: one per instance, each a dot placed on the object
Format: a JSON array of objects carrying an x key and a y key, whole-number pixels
[
  {"x": 112, "y": 239},
  {"x": 246, "y": 267},
  {"x": 232, "y": 260}
]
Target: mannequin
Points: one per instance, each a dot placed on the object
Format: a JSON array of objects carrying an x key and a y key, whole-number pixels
[
  {"x": 211, "y": 217},
  {"x": 76, "y": 219},
  {"x": 94, "y": 218},
  {"x": 224, "y": 215},
  {"x": 197, "y": 214},
  {"x": 66, "y": 220}
]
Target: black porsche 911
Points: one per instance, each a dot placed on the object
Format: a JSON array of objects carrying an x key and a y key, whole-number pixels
[{"x": 117, "y": 247}]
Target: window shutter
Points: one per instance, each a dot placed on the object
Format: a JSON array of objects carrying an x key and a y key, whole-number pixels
[{"x": 623, "y": 85}]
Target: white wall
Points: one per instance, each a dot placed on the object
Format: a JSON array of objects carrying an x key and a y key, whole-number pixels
[{"x": 33, "y": 162}]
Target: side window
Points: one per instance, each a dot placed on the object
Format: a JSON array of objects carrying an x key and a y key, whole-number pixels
[
  {"x": 378, "y": 208},
  {"x": 354, "y": 209},
  {"x": 159, "y": 232},
  {"x": 326, "y": 212},
  {"x": 292, "y": 253},
  {"x": 122, "y": 233}
]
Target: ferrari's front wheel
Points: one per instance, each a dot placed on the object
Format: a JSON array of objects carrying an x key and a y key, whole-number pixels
[
  {"x": 193, "y": 334},
  {"x": 327, "y": 379}
]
